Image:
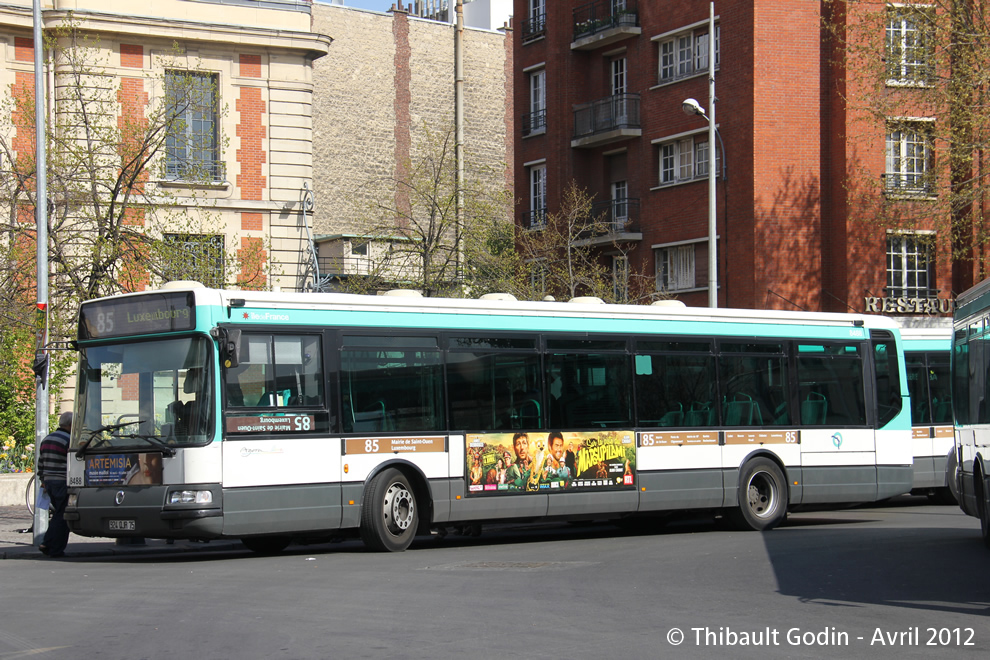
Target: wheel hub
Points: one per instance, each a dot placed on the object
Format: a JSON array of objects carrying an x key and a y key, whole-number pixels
[{"x": 399, "y": 507}]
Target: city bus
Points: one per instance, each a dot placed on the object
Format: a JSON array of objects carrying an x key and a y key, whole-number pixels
[
  {"x": 274, "y": 417},
  {"x": 970, "y": 371},
  {"x": 927, "y": 347}
]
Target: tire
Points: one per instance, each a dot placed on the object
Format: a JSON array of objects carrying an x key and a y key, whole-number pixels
[
  {"x": 390, "y": 513},
  {"x": 762, "y": 496},
  {"x": 266, "y": 545},
  {"x": 982, "y": 508},
  {"x": 29, "y": 494}
]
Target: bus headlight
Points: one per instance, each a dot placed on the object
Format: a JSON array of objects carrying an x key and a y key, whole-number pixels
[
  {"x": 73, "y": 500},
  {"x": 190, "y": 497}
]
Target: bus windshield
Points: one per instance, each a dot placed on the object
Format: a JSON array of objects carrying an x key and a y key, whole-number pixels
[{"x": 145, "y": 395}]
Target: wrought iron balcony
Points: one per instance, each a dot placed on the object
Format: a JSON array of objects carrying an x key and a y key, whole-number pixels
[
  {"x": 534, "y": 27},
  {"x": 606, "y": 120},
  {"x": 534, "y": 123},
  {"x": 618, "y": 215},
  {"x": 603, "y": 22},
  {"x": 909, "y": 184},
  {"x": 534, "y": 219}
]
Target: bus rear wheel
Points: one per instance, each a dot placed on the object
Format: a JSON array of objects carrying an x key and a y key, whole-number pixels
[
  {"x": 762, "y": 496},
  {"x": 390, "y": 515},
  {"x": 982, "y": 508}
]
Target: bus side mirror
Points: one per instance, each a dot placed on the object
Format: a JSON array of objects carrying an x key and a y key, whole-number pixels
[{"x": 229, "y": 341}]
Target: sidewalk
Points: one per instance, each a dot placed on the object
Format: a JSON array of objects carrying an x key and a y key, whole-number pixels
[{"x": 18, "y": 544}]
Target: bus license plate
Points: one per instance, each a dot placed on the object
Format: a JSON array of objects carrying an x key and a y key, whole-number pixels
[{"x": 122, "y": 526}]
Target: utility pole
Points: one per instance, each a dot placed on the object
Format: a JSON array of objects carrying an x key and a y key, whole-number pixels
[{"x": 41, "y": 220}]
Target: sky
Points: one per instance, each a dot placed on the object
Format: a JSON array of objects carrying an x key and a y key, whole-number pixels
[{"x": 376, "y": 5}]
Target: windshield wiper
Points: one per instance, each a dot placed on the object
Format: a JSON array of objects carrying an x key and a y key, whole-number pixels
[
  {"x": 152, "y": 440},
  {"x": 102, "y": 435}
]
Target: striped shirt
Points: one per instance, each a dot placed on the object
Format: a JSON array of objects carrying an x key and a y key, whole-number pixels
[{"x": 52, "y": 456}]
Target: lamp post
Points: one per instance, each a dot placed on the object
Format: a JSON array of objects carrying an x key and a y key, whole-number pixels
[{"x": 692, "y": 107}]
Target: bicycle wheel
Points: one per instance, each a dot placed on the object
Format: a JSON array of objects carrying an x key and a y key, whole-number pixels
[{"x": 29, "y": 494}]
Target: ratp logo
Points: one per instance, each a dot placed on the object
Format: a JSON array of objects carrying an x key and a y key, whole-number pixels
[{"x": 837, "y": 440}]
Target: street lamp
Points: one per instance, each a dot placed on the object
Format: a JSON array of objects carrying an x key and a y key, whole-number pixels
[{"x": 692, "y": 107}]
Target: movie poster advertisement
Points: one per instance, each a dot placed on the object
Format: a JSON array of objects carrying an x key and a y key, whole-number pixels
[
  {"x": 144, "y": 469},
  {"x": 550, "y": 461}
]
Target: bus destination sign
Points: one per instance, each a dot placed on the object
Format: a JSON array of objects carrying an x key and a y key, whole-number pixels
[
  {"x": 280, "y": 423},
  {"x": 140, "y": 315}
]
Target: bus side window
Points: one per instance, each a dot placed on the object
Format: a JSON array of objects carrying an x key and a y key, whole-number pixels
[
  {"x": 888, "y": 380},
  {"x": 276, "y": 371}
]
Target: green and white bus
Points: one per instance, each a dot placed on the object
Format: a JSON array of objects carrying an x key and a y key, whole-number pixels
[
  {"x": 927, "y": 348},
  {"x": 269, "y": 417},
  {"x": 970, "y": 371}
]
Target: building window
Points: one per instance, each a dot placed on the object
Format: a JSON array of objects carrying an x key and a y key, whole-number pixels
[
  {"x": 536, "y": 24},
  {"x": 675, "y": 268},
  {"x": 620, "y": 205},
  {"x": 683, "y": 160},
  {"x": 701, "y": 158},
  {"x": 536, "y": 121},
  {"x": 686, "y": 54},
  {"x": 909, "y": 45},
  {"x": 198, "y": 257},
  {"x": 537, "y": 197},
  {"x": 620, "y": 278},
  {"x": 909, "y": 168},
  {"x": 191, "y": 146},
  {"x": 910, "y": 265}
]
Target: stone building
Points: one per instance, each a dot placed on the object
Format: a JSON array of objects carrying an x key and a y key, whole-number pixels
[
  {"x": 256, "y": 59},
  {"x": 386, "y": 84}
]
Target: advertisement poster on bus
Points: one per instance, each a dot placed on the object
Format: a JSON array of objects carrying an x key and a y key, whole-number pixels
[
  {"x": 143, "y": 469},
  {"x": 550, "y": 461}
]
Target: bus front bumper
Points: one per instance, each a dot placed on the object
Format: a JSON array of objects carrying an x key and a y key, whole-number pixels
[{"x": 164, "y": 512}]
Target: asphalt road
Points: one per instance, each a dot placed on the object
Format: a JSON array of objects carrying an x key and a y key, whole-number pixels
[{"x": 907, "y": 580}]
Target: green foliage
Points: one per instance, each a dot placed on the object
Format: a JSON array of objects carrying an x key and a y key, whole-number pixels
[{"x": 16, "y": 402}]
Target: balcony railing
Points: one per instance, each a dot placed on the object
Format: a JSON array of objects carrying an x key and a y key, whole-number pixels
[
  {"x": 534, "y": 27},
  {"x": 611, "y": 113},
  {"x": 534, "y": 122},
  {"x": 604, "y": 15},
  {"x": 193, "y": 170},
  {"x": 618, "y": 215},
  {"x": 534, "y": 219},
  {"x": 910, "y": 185}
]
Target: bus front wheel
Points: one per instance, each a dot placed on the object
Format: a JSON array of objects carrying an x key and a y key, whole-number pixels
[
  {"x": 390, "y": 515},
  {"x": 762, "y": 496}
]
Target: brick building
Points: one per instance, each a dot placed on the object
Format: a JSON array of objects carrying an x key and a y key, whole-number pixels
[
  {"x": 255, "y": 62},
  {"x": 599, "y": 89},
  {"x": 387, "y": 82}
]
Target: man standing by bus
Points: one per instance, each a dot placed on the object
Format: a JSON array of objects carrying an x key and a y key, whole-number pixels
[{"x": 51, "y": 473}]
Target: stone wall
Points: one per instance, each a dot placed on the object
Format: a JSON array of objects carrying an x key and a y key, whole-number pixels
[{"x": 388, "y": 76}]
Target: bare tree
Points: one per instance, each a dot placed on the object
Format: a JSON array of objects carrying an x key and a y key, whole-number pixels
[
  {"x": 572, "y": 252},
  {"x": 916, "y": 86},
  {"x": 416, "y": 237}
]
